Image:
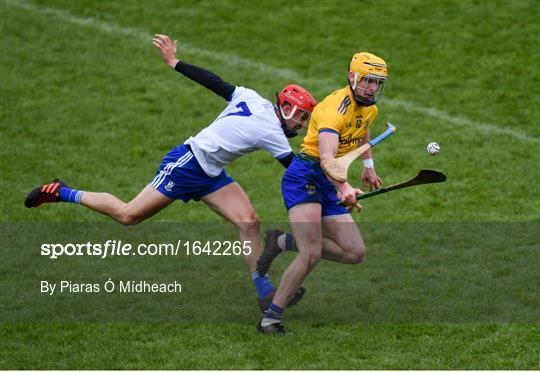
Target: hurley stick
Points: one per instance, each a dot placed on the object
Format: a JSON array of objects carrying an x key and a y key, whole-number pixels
[{"x": 337, "y": 168}]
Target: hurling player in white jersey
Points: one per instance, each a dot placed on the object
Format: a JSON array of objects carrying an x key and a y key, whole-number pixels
[{"x": 195, "y": 169}]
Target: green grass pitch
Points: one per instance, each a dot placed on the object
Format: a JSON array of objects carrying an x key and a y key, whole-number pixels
[{"x": 450, "y": 279}]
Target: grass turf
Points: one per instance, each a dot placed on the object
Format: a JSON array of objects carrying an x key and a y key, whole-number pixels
[
  {"x": 222, "y": 346},
  {"x": 86, "y": 97}
]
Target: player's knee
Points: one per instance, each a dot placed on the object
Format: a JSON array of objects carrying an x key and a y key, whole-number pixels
[
  {"x": 310, "y": 250},
  {"x": 250, "y": 224},
  {"x": 356, "y": 256},
  {"x": 311, "y": 258},
  {"x": 129, "y": 218}
]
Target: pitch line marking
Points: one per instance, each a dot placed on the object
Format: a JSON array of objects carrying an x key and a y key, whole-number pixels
[{"x": 235, "y": 61}]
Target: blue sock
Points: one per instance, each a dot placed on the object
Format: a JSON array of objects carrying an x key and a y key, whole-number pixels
[
  {"x": 286, "y": 242},
  {"x": 274, "y": 314},
  {"x": 70, "y": 195},
  {"x": 290, "y": 244},
  {"x": 262, "y": 284}
]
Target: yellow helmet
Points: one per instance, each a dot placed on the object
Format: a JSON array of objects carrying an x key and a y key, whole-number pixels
[{"x": 368, "y": 66}]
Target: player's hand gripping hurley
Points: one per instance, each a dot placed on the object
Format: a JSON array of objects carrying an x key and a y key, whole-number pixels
[{"x": 337, "y": 168}]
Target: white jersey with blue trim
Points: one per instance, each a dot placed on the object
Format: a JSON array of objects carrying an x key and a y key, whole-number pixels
[{"x": 247, "y": 124}]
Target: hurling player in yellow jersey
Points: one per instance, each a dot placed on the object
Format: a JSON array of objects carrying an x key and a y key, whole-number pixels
[{"x": 322, "y": 228}]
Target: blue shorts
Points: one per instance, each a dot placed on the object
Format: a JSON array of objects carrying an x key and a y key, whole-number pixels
[
  {"x": 181, "y": 177},
  {"x": 305, "y": 182}
]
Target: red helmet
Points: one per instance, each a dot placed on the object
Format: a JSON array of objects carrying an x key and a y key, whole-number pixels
[
  {"x": 297, "y": 97},
  {"x": 301, "y": 105}
]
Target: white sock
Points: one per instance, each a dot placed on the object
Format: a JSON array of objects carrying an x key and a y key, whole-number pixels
[
  {"x": 267, "y": 321},
  {"x": 281, "y": 241}
]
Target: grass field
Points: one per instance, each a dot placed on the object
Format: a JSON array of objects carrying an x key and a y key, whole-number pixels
[{"x": 450, "y": 279}]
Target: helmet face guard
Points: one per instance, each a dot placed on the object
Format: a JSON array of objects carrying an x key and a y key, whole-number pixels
[
  {"x": 299, "y": 103},
  {"x": 367, "y": 90},
  {"x": 370, "y": 75},
  {"x": 299, "y": 117}
]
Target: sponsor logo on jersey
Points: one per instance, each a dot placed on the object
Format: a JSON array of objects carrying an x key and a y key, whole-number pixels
[{"x": 350, "y": 140}]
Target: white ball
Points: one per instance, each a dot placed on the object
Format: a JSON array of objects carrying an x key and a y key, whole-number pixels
[{"x": 433, "y": 148}]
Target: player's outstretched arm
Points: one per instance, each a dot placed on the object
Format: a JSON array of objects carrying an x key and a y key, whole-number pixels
[{"x": 206, "y": 78}]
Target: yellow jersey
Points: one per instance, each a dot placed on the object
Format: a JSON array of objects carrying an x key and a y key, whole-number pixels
[{"x": 339, "y": 113}]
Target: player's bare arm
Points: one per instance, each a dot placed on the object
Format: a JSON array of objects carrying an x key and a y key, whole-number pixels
[{"x": 328, "y": 145}]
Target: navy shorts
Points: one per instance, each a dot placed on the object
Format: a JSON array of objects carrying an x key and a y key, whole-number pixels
[
  {"x": 181, "y": 177},
  {"x": 305, "y": 182}
]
